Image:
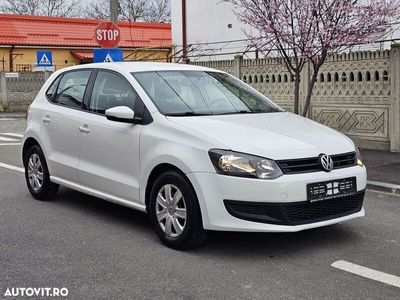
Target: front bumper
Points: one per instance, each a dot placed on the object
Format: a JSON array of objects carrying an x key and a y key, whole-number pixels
[{"x": 288, "y": 190}]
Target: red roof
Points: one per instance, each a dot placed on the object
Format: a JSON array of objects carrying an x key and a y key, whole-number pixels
[
  {"x": 27, "y": 30},
  {"x": 83, "y": 54}
]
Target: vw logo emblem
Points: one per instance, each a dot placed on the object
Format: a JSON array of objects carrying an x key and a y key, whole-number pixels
[{"x": 326, "y": 162}]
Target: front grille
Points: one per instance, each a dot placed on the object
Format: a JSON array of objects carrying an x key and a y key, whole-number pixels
[
  {"x": 295, "y": 213},
  {"x": 306, "y": 165}
]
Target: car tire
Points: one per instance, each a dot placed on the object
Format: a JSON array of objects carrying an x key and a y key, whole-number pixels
[
  {"x": 176, "y": 220},
  {"x": 37, "y": 175}
]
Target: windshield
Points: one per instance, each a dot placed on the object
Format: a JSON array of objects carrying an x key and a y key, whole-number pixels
[{"x": 180, "y": 93}]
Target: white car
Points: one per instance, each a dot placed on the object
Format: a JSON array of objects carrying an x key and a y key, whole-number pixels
[{"x": 195, "y": 148}]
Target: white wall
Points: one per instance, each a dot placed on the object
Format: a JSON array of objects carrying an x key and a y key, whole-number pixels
[{"x": 207, "y": 21}]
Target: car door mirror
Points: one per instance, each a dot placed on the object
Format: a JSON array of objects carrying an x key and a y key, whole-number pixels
[{"x": 120, "y": 114}]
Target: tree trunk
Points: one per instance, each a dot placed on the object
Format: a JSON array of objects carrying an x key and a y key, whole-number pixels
[
  {"x": 309, "y": 92},
  {"x": 296, "y": 92}
]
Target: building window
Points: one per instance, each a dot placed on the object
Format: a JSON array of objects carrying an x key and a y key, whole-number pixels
[
  {"x": 279, "y": 78},
  {"x": 351, "y": 76},
  {"x": 336, "y": 78},
  {"x": 329, "y": 77},
  {"x": 267, "y": 78},
  {"x": 321, "y": 77},
  {"x": 261, "y": 78},
  {"x": 250, "y": 79},
  {"x": 285, "y": 79},
  {"x": 244, "y": 78},
  {"x": 273, "y": 78}
]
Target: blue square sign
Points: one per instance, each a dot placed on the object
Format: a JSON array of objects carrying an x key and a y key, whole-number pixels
[
  {"x": 44, "y": 58},
  {"x": 107, "y": 55}
]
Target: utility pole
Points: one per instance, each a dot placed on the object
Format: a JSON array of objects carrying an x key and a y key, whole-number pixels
[{"x": 114, "y": 11}]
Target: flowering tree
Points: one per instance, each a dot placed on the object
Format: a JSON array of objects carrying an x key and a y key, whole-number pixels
[{"x": 304, "y": 31}]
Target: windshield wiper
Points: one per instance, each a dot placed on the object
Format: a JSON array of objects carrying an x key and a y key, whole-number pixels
[{"x": 186, "y": 113}]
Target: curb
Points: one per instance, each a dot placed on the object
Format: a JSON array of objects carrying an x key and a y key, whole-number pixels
[
  {"x": 12, "y": 116},
  {"x": 384, "y": 187}
]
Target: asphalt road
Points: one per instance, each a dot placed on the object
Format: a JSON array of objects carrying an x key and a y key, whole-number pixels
[{"x": 99, "y": 250}]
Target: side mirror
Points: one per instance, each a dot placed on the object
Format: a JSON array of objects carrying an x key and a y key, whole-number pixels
[{"x": 120, "y": 114}]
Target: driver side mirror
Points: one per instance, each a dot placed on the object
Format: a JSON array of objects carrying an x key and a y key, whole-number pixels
[{"x": 121, "y": 114}]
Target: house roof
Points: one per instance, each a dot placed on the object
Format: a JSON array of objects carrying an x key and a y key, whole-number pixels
[{"x": 24, "y": 30}]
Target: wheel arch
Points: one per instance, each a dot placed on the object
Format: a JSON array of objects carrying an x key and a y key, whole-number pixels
[
  {"x": 157, "y": 171},
  {"x": 29, "y": 142}
]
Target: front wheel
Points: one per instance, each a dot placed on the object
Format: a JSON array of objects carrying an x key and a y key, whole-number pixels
[
  {"x": 37, "y": 175},
  {"x": 175, "y": 212}
]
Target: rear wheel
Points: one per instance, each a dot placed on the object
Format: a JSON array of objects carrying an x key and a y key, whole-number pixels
[
  {"x": 37, "y": 175},
  {"x": 175, "y": 213}
]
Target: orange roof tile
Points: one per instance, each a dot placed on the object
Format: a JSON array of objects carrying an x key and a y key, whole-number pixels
[{"x": 24, "y": 30}]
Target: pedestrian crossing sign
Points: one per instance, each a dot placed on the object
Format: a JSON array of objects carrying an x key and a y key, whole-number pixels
[
  {"x": 107, "y": 55},
  {"x": 44, "y": 58}
]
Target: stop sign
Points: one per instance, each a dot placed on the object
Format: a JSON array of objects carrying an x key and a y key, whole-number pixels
[{"x": 107, "y": 34}]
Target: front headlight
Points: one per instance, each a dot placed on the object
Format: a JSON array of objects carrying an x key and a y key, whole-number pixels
[
  {"x": 358, "y": 156},
  {"x": 244, "y": 165}
]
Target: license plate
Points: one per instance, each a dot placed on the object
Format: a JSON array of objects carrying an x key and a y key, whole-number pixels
[{"x": 326, "y": 190}]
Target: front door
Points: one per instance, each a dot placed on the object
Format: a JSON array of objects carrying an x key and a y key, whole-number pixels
[{"x": 109, "y": 150}]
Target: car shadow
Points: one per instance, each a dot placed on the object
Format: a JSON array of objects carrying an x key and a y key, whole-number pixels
[
  {"x": 279, "y": 244},
  {"x": 218, "y": 243},
  {"x": 96, "y": 208}
]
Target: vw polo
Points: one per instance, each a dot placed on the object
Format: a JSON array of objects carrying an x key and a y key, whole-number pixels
[{"x": 195, "y": 148}]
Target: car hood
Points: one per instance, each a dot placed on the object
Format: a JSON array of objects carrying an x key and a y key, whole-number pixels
[{"x": 280, "y": 135}]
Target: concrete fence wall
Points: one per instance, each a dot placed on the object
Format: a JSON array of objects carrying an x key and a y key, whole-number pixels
[
  {"x": 357, "y": 93},
  {"x": 18, "y": 92}
]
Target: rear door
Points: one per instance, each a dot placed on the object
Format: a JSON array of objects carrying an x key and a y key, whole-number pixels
[
  {"x": 109, "y": 150},
  {"x": 61, "y": 122}
]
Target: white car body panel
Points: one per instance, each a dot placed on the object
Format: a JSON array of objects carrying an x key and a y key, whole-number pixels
[
  {"x": 109, "y": 156},
  {"x": 114, "y": 160}
]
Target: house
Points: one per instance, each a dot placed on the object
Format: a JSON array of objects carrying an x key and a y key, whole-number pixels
[{"x": 72, "y": 41}]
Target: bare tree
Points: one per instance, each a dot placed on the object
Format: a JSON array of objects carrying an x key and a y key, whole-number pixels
[
  {"x": 97, "y": 10},
  {"x": 29, "y": 7},
  {"x": 132, "y": 10},
  {"x": 56, "y": 8}
]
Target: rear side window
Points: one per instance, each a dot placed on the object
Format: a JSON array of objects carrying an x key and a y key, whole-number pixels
[
  {"x": 52, "y": 89},
  {"x": 111, "y": 90},
  {"x": 72, "y": 88}
]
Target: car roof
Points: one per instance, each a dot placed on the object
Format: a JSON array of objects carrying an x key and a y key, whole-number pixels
[{"x": 140, "y": 67}]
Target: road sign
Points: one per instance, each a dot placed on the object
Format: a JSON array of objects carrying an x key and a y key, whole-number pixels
[
  {"x": 44, "y": 58},
  {"x": 107, "y": 55},
  {"x": 107, "y": 34},
  {"x": 11, "y": 75}
]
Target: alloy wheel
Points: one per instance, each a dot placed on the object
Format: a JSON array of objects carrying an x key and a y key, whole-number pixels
[
  {"x": 35, "y": 172},
  {"x": 171, "y": 210}
]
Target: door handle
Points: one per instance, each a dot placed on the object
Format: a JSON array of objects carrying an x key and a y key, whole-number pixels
[
  {"x": 46, "y": 119},
  {"x": 84, "y": 129}
]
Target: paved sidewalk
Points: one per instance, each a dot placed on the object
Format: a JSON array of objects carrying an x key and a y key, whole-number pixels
[
  {"x": 383, "y": 170},
  {"x": 382, "y": 166}
]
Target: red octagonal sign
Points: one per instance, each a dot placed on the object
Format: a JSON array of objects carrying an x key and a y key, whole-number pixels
[{"x": 107, "y": 34}]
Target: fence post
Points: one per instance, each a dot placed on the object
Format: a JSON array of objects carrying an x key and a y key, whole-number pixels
[
  {"x": 237, "y": 66},
  {"x": 394, "y": 117},
  {"x": 3, "y": 85}
]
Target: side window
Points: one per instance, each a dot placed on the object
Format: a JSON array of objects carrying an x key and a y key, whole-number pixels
[
  {"x": 52, "y": 89},
  {"x": 111, "y": 90},
  {"x": 72, "y": 87}
]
